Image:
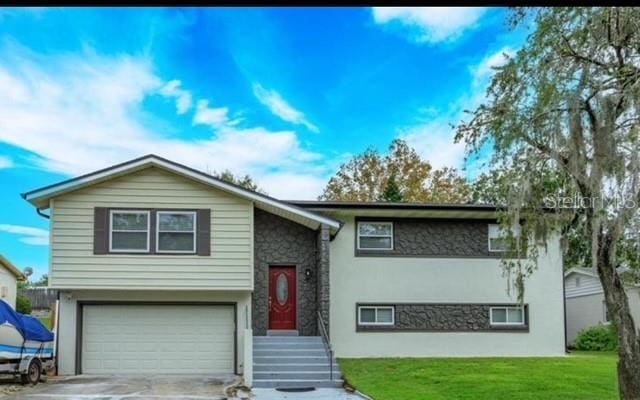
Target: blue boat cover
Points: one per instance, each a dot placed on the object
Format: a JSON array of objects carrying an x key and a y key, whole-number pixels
[{"x": 29, "y": 327}]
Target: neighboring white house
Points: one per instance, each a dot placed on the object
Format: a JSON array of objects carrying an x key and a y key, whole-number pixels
[
  {"x": 162, "y": 268},
  {"x": 9, "y": 277},
  {"x": 585, "y": 301}
]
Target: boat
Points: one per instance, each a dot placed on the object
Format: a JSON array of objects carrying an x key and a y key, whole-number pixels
[{"x": 26, "y": 345}]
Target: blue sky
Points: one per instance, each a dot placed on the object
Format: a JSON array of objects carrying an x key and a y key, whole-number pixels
[{"x": 285, "y": 95}]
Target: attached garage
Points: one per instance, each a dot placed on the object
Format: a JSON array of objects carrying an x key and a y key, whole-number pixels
[{"x": 156, "y": 338}]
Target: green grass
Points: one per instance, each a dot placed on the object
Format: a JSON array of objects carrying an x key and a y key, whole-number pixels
[
  {"x": 46, "y": 321},
  {"x": 580, "y": 376}
]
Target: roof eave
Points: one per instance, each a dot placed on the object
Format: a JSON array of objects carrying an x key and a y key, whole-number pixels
[
  {"x": 12, "y": 268},
  {"x": 40, "y": 197}
]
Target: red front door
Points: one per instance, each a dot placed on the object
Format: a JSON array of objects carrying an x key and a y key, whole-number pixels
[{"x": 282, "y": 298}]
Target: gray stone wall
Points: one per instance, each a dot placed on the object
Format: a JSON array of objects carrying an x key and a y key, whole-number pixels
[
  {"x": 437, "y": 238},
  {"x": 278, "y": 241},
  {"x": 434, "y": 317},
  {"x": 323, "y": 274}
]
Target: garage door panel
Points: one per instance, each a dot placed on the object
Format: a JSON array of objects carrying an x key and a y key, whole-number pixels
[{"x": 157, "y": 339}]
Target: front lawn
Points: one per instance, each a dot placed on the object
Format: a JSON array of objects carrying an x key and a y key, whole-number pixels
[
  {"x": 46, "y": 321},
  {"x": 580, "y": 376}
]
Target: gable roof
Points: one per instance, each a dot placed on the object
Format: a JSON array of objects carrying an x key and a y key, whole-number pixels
[
  {"x": 12, "y": 268},
  {"x": 40, "y": 197},
  {"x": 581, "y": 271}
]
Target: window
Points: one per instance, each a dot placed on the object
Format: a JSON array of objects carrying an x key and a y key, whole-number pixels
[
  {"x": 375, "y": 236},
  {"x": 507, "y": 315},
  {"x": 129, "y": 231},
  {"x": 176, "y": 232},
  {"x": 376, "y": 315},
  {"x": 498, "y": 240}
]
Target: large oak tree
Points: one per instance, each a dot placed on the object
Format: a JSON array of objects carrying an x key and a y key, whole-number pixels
[
  {"x": 399, "y": 175},
  {"x": 567, "y": 104}
]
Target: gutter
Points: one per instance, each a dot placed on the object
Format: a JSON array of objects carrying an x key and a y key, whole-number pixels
[
  {"x": 38, "y": 209},
  {"x": 40, "y": 213}
]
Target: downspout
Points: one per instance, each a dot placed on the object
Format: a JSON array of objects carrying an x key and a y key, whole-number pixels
[{"x": 40, "y": 213}]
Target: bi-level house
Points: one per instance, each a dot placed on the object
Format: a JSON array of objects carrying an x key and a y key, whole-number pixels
[{"x": 163, "y": 268}]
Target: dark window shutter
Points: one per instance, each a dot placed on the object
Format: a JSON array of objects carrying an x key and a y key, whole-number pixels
[
  {"x": 203, "y": 231},
  {"x": 153, "y": 228},
  {"x": 100, "y": 230}
]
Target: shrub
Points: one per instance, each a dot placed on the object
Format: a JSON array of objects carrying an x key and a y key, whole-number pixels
[
  {"x": 23, "y": 305},
  {"x": 597, "y": 338}
]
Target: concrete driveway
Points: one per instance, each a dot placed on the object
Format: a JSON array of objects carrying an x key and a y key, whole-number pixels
[{"x": 158, "y": 387}]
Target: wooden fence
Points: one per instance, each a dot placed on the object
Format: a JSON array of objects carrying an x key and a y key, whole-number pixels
[{"x": 42, "y": 298}]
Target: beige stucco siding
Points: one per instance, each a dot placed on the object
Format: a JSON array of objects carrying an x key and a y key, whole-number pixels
[
  {"x": 73, "y": 264},
  {"x": 440, "y": 280}
]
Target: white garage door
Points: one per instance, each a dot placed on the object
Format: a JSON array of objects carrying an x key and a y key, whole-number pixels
[{"x": 146, "y": 339}]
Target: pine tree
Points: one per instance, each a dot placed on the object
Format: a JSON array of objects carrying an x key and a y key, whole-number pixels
[{"x": 392, "y": 192}]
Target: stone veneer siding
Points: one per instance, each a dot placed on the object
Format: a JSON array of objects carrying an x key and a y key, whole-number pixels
[
  {"x": 323, "y": 253},
  {"x": 438, "y": 317},
  {"x": 278, "y": 241},
  {"x": 428, "y": 237}
]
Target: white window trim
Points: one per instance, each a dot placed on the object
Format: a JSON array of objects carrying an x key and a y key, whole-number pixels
[
  {"x": 358, "y": 235},
  {"x": 507, "y": 308},
  {"x": 194, "y": 231},
  {"x": 489, "y": 237},
  {"x": 376, "y": 308},
  {"x": 147, "y": 231}
]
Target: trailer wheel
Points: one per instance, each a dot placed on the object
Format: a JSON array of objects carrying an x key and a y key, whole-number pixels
[{"x": 33, "y": 374}]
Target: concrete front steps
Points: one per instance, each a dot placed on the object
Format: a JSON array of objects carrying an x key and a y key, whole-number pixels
[{"x": 292, "y": 362}]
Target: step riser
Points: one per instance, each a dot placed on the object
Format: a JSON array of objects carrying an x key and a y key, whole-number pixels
[
  {"x": 286, "y": 346},
  {"x": 318, "y": 376},
  {"x": 294, "y": 367},
  {"x": 290, "y": 339},
  {"x": 291, "y": 360},
  {"x": 289, "y": 353},
  {"x": 281, "y": 333},
  {"x": 281, "y": 384}
]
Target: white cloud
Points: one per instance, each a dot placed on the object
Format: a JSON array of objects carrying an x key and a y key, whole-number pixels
[
  {"x": 28, "y": 235},
  {"x": 183, "y": 98},
  {"x": 434, "y": 139},
  {"x": 483, "y": 71},
  {"x": 5, "y": 162},
  {"x": 79, "y": 113},
  {"x": 215, "y": 118},
  {"x": 303, "y": 187},
  {"x": 431, "y": 24},
  {"x": 279, "y": 107},
  {"x": 434, "y": 142}
]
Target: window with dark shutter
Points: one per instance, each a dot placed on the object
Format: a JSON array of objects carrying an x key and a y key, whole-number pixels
[
  {"x": 152, "y": 231},
  {"x": 203, "y": 222},
  {"x": 100, "y": 230}
]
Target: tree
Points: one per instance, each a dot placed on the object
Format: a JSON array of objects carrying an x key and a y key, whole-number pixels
[
  {"x": 366, "y": 176},
  {"x": 43, "y": 281},
  {"x": 493, "y": 188},
  {"x": 246, "y": 181},
  {"x": 23, "y": 304},
  {"x": 392, "y": 192},
  {"x": 567, "y": 102}
]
